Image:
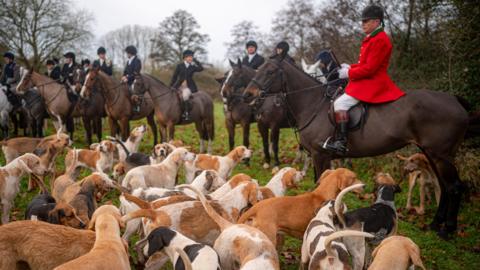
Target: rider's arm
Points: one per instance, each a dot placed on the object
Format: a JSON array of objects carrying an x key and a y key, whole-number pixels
[
  {"x": 380, "y": 50},
  {"x": 175, "y": 76},
  {"x": 198, "y": 66}
]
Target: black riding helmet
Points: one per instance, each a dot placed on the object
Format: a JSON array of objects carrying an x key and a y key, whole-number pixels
[
  {"x": 284, "y": 46},
  {"x": 187, "y": 53},
  {"x": 101, "y": 50},
  {"x": 251, "y": 43},
  {"x": 372, "y": 12},
  {"x": 131, "y": 50},
  {"x": 85, "y": 62},
  {"x": 50, "y": 62},
  {"x": 9, "y": 55},
  {"x": 70, "y": 55}
]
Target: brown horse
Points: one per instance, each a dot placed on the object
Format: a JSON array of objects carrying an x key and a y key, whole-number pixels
[
  {"x": 268, "y": 113},
  {"x": 91, "y": 110},
  {"x": 54, "y": 94},
  {"x": 168, "y": 109},
  {"x": 434, "y": 121},
  {"x": 118, "y": 104}
]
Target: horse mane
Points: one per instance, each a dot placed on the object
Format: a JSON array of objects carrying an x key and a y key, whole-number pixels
[
  {"x": 155, "y": 79},
  {"x": 300, "y": 70}
]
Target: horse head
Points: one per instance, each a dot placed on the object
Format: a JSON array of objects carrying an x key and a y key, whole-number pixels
[
  {"x": 139, "y": 85},
  {"x": 25, "y": 80},
  {"x": 267, "y": 80},
  {"x": 90, "y": 80},
  {"x": 79, "y": 77}
]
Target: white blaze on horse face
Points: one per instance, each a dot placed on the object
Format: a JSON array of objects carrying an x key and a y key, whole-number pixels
[
  {"x": 226, "y": 81},
  {"x": 22, "y": 75},
  {"x": 84, "y": 88},
  {"x": 314, "y": 70}
]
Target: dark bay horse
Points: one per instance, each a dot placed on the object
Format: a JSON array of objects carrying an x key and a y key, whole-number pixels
[
  {"x": 168, "y": 110},
  {"x": 90, "y": 110},
  {"x": 117, "y": 103},
  {"x": 434, "y": 121},
  {"x": 268, "y": 113}
]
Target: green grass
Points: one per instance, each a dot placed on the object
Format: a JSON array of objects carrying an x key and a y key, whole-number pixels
[{"x": 460, "y": 253}]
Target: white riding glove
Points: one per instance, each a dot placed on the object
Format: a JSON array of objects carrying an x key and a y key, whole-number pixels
[
  {"x": 343, "y": 73},
  {"x": 347, "y": 66}
]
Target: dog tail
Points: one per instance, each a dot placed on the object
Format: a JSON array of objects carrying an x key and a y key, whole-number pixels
[
  {"x": 185, "y": 258},
  {"x": 119, "y": 142},
  {"x": 221, "y": 222},
  {"x": 345, "y": 233},
  {"x": 338, "y": 202},
  {"x": 147, "y": 213},
  {"x": 71, "y": 169},
  {"x": 141, "y": 203}
]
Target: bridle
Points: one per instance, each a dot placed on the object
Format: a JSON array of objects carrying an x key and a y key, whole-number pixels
[
  {"x": 104, "y": 92},
  {"x": 145, "y": 89}
]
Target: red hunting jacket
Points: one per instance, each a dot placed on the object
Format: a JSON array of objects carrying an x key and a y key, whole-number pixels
[{"x": 369, "y": 81}]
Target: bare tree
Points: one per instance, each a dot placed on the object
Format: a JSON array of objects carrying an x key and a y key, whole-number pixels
[
  {"x": 176, "y": 34},
  {"x": 139, "y": 36},
  {"x": 241, "y": 33},
  {"x": 295, "y": 24},
  {"x": 39, "y": 29}
]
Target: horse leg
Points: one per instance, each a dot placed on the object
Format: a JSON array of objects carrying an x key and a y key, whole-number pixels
[
  {"x": 153, "y": 127},
  {"x": 39, "y": 126},
  {"x": 163, "y": 132},
  {"x": 321, "y": 162},
  {"x": 246, "y": 138},
  {"x": 171, "y": 131},
  {"x": 452, "y": 190},
  {"x": 98, "y": 127},
  {"x": 88, "y": 129},
  {"x": 231, "y": 133},
  {"x": 70, "y": 126},
  {"x": 274, "y": 138},
  {"x": 113, "y": 126},
  {"x": 124, "y": 128},
  {"x": 266, "y": 151}
]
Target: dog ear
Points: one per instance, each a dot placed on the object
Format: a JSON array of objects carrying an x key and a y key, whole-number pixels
[
  {"x": 91, "y": 224},
  {"x": 288, "y": 178},
  {"x": 397, "y": 189},
  {"x": 54, "y": 216},
  {"x": 414, "y": 253},
  {"x": 253, "y": 194},
  {"x": 325, "y": 174},
  {"x": 24, "y": 166},
  {"x": 155, "y": 243},
  {"x": 94, "y": 146},
  {"x": 39, "y": 151},
  {"x": 209, "y": 180},
  {"x": 197, "y": 173}
]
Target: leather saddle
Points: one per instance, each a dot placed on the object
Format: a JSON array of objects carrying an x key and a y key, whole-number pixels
[{"x": 357, "y": 116}]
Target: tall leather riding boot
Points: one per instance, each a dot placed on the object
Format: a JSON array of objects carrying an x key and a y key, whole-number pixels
[
  {"x": 339, "y": 145},
  {"x": 186, "y": 112}
]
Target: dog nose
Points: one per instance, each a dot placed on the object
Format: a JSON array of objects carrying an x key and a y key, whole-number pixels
[{"x": 82, "y": 225}]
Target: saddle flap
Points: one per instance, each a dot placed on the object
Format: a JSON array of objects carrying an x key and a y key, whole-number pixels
[{"x": 357, "y": 116}]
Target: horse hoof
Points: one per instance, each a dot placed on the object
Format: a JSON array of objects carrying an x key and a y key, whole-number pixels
[
  {"x": 434, "y": 226},
  {"x": 266, "y": 165},
  {"x": 445, "y": 234}
]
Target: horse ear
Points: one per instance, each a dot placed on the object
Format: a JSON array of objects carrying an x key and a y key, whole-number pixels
[
  {"x": 232, "y": 64},
  {"x": 304, "y": 65},
  {"x": 239, "y": 63},
  {"x": 220, "y": 80}
]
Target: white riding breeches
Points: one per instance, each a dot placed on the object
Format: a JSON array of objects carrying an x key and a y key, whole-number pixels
[
  {"x": 344, "y": 103},
  {"x": 186, "y": 93}
]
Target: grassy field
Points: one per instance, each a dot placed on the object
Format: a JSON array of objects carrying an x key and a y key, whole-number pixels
[{"x": 463, "y": 252}]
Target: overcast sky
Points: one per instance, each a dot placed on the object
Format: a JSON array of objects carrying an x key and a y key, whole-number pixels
[{"x": 216, "y": 17}]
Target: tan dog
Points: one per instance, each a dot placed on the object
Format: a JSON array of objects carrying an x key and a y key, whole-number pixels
[
  {"x": 224, "y": 165},
  {"x": 100, "y": 181},
  {"x": 396, "y": 253},
  {"x": 190, "y": 219},
  {"x": 99, "y": 160},
  {"x": 158, "y": 175},
  {"x": 418, "y": 168},
  {"x": 283, "y": 180},
  {"x": 239, "y": 245},
  {"x": 291, "y": 214},
  {"x": 109, "y": 251},
  {"x": 16, "y": 147},
  {"x": 10, "y": 176},
  {"x": 40, "y": 245}
]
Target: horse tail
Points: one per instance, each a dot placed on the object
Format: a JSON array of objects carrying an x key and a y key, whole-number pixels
[
  {"x": 465, "y": 104},
  {"x": 209, "y": 124},
  {"x": 473, "y": 129}
]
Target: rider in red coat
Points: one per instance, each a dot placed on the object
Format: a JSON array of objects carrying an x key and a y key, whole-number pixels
[{"x": 368, "y": 79}]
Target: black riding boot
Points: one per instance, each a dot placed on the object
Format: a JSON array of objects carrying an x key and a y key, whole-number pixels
[
  {"x": 186, "y": 110},
  {"x": 339, "y": 146}
]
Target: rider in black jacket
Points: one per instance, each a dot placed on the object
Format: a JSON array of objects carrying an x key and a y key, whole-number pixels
[
  {"x": 184, "y": 72},
  {"x": 53, "y": 70},
  {"x": 133, "y": 67},
  {"x": 252, "y": 59},
  {"x": 102, "y": 62}
]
